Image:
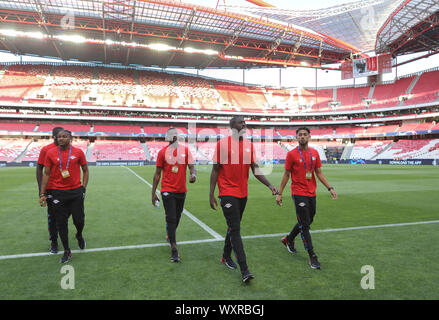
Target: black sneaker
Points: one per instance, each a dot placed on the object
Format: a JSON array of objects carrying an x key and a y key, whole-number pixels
[
  {"x": 174, "y": 255},
  {"x": 81, "y": 242},
  {"x": 66, "y": 257},
  {"x": 289, "y": 245},
  {"x": 247, "y": 276},
  {"x": 229, "y": 263},
  {"x": 313, "y": 262},
  {"x": 54, "y": 247}
]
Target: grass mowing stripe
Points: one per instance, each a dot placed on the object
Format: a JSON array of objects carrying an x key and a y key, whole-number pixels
[
  {"x": 151, "y": 245},
  {"x": 187, "y": 213}
]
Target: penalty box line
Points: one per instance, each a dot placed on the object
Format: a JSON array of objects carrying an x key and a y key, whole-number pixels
[
  {"x": 206, "y": 228},
  {"x": 163, "y": 244}
]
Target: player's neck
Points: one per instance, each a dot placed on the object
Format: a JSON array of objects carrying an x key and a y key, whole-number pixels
[
  {"x": 65, "y": 147},
  {"x": 237, "y": 137},
  {"x": 303, "y": 147},
  {"x": 173, "y": 145}
]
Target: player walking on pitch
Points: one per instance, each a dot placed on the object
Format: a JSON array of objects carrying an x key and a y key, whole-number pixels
[
  {"x": 233, "y": 158},
  {"x": 303, "y": 164},
  {"x": 173, "y": 161},
  {"x": 51, "y": 222},
  {"x": 63, "y": 165}
]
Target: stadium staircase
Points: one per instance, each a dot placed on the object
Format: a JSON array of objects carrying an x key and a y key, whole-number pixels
[
  {"x": 283, "y": 146},
  {"x": 410, "y": 88},
  {"x": 382, "y": 151},
  {"x": 89, "y": 151},
  {"x": 347, "y": 151},
  {"x": 22, "y": 154},
  {"x": 146, "y": 150},
  {"x": 371, "y": 91},
  {"x": 136, "y": 78}
]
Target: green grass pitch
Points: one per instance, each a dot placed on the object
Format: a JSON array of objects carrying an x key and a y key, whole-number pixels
[{"x": 119, "y": 214}]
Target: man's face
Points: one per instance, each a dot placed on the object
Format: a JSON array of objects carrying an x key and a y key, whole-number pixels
[
  {"x": 239, "y": 125},
  {"x": 55, "y": 137},
  {"x": 63, "y": 138},
  {"x": 171, "y": 136},
  {"x": 303, "y": 137}
]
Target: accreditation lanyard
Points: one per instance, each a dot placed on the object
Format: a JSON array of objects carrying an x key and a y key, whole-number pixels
[
  {"x": 68, "y": 159},
  {"x": 304, "y": 163}
]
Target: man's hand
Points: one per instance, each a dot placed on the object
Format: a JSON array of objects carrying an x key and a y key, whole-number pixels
[
  {"x": 43, "y": 200},
  {"x": 192, "y": 178},
  {"x": 213, "y": 203},
  {"x": 334, "y": 194},
  {"x": 274, "y": 190},
  {"x": 279, "y": 199},
  {"x": 154, "y": 198}
]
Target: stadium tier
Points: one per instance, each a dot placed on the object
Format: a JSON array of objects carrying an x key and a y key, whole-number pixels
[
  {"x": 412, "y": 149},
  {"x": 118, "y": 128},
  {"x": 349, "y": 131},
  {"x": 109, "y": 150},
  {"x": 71, "y": 127},
  {"x": 87, "y": 85},
  {"x": 389, "y": 98},
  {"x": 366, "y": 150},
  {"x": 17, "y": 126},
  {"x": 11, "y": 149},
  {"x": 33, "y": 150}
]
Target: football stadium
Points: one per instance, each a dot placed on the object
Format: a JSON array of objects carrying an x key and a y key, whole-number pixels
[{"x": 362, "y": 76}]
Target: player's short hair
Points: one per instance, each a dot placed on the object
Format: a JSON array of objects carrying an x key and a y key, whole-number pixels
[
  {"x": 303, "y": 128},
  {"x": 171, "y": 132},
  {"x": 57, "y": 130},
  {"x": 234, "y": 119}
]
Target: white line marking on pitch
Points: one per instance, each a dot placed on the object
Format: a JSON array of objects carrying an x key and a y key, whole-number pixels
[
  {"x": 187, "y": 213},
  {"x": 163, "y": 244}
]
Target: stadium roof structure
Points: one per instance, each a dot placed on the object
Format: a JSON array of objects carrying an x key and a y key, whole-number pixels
[
  {"x": 412, "y": 27},
  {"x": 356, "y": 23},
  {"x": 161, "y": 33}
]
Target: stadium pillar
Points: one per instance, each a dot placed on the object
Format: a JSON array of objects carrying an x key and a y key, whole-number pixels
[
  {"x": 375, "y": 79},
  {"x": 316, "y": 94},
  {"x": 280, "y": 78}
]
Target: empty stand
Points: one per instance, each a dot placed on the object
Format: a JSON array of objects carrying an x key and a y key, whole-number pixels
[
  {"x": 116, "y": 129},
  {"x": 386, "y": 95},
  {"x": 426, "y": 89},
  {"x": 411, "y": 149},
  {"x": 366, "y": 150},
  {"x": 10, "y": 149},
  {"x": 9, "y": 126},
  {"x": 109, "y": 150}
]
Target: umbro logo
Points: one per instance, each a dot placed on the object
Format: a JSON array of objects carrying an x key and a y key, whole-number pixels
[
  {"x": 72, "y": 157},
  {"x": 228, "y": 205},
  {"x": 302, "y": 204},
  {"x": 55, "y": 201},
  {"x": 165, "y": 193}
]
